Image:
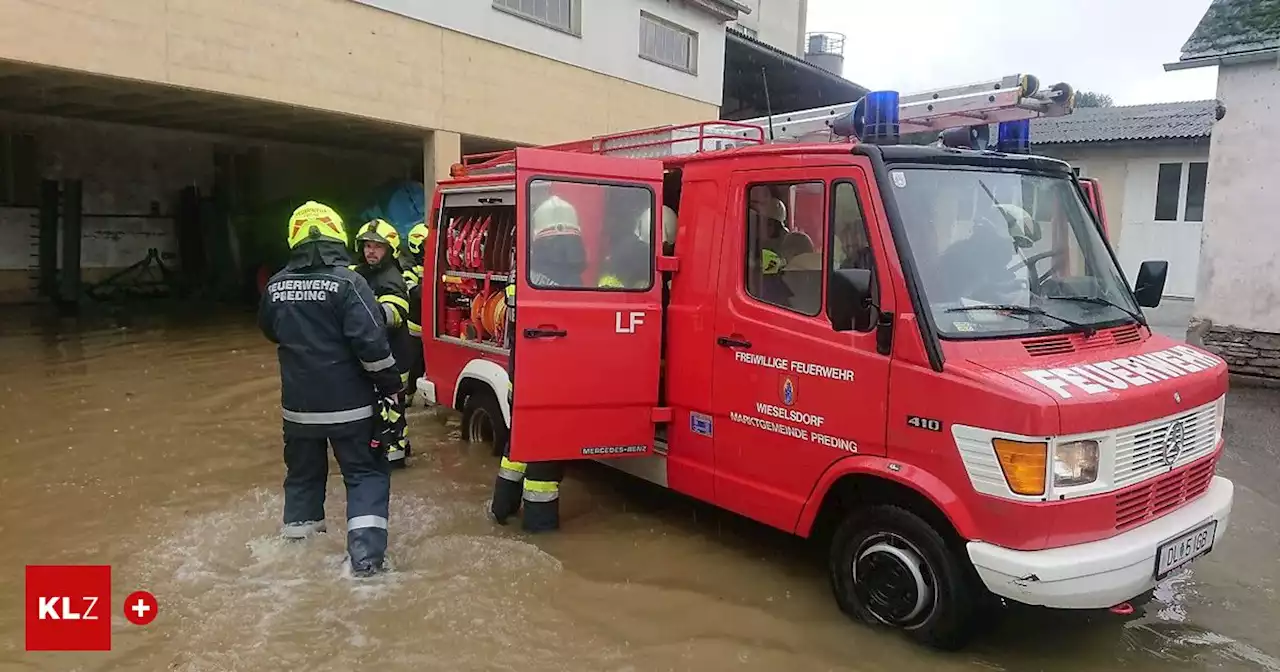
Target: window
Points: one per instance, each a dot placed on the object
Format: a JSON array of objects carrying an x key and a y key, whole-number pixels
[
  {"x": 563, "y": 15},
  {"x": 1168, "y": 186},
  {"x": 590, "y": 236},
  {"x": 850, "y": 242},
  {"x": 1029, "y": 259},
  {"x": 1197, "y": 179},
  {"x": 668, "y": 44},
  {"x": 783, "y": 267}
]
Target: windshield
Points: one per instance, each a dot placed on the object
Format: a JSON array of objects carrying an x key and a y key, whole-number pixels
[{"x": 1005, "y": 253}]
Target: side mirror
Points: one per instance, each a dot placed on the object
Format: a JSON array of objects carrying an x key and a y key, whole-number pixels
[
  {"x": 849, "y": 305},
  {"x": 1149, "y": 288}
]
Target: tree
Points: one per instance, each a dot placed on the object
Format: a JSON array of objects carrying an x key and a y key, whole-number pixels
[{"x": 1093, "y": 99}]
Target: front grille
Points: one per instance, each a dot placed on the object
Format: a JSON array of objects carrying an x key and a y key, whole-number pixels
[
  {"x": 1162, "y": 494},
  {"x": 1141, "y": 449}
]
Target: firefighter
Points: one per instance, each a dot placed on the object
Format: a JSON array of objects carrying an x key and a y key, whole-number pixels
[
  {"x": 335, "y": 362},
  {"x": 629, "y": 264},
  {"x": 413, "y": 278},
  {"x": 767, "y": 224},
  {"x": 557, "y": 257},
  {"x": 379, "y": 242}
]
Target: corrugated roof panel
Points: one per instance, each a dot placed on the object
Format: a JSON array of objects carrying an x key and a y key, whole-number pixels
[{"x": 1160, "y": 121}]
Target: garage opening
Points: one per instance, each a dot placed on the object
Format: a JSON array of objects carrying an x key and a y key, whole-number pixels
[{"x": 157, "y": 192}]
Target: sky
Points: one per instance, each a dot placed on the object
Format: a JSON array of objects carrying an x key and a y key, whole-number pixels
[{"x": 1116, "y": 47}]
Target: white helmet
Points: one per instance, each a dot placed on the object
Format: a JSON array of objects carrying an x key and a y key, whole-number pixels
[
  {"x": 554, "y": 216},
  {"x": 668, "y": 225}
]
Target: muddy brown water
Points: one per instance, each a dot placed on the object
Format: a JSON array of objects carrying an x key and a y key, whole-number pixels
[{"x": 154, "y": 446}]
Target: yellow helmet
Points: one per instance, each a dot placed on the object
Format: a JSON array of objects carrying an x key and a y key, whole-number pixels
[
  {"x": 417, "y": 238},
  {"x": 314, "y": 221},
  {"x": 379, "y": 231}
]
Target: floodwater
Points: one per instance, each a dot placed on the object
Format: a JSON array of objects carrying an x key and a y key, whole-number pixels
[{"x": 154, "y": 446}]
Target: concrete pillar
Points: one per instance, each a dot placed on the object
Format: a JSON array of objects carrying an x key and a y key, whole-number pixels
[{"x": 440, "y": 150}]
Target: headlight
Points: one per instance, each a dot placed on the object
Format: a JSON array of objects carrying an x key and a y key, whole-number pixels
[{"x": 1075, "y": 463}]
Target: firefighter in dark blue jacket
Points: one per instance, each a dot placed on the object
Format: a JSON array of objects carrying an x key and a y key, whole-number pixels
[
  {"x": 335, "y": 367},
  {"x": 379, "y": 265}
]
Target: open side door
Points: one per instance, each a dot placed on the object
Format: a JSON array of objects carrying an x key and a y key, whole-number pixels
[
  {"x": 1093, "y": 196},
  {"x": 588, "y": 328}
]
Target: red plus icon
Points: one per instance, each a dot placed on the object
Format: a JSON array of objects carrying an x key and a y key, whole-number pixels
[{"x": 140, "y": 607}]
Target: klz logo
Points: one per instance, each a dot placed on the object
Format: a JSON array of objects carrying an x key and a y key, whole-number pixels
[
  {"x": 68, "y": 607},
  {"x": 635, "y": 319}
]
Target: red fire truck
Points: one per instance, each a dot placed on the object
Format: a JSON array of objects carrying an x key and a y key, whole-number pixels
[{"x": 926, "y": 354}]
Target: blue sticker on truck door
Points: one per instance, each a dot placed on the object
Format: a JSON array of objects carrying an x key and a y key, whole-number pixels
[{"x": 700, "y": 424}]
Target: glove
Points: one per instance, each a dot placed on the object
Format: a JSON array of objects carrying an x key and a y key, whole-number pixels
[{"x": 384, "y": 424}]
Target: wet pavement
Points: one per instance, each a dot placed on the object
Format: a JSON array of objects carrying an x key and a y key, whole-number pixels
[{"x": 155, "y": 447}]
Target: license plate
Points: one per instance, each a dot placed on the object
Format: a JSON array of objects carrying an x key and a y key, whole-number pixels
[{"x": 1174, "y": 554}]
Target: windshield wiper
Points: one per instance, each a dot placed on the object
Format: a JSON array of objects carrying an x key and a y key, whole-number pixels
[
  {"x": 1098, "y": 300},
  {"x": 1020, "y": 310}
]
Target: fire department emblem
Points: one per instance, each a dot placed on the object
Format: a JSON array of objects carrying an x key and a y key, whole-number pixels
[
  {"x": 788, "y": 391},
  {"x": 1173, "y": 441}
]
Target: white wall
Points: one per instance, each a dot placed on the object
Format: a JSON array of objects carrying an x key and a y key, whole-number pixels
[
  {"x": 609, "y": 42},
  {"x": 1128, "y": 174},
  {"x": 778, "y": 23},
  {"x": 1238, "y": 282},
  {"x": 1144, "y": 238}
]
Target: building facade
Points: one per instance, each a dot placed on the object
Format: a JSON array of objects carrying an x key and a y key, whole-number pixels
[
  {"x": 1237, "y": 311},
  {"x": 1151, "y": 162},
  {"x": 394, "y": 89},
  {"x": 777, "y": 23}
]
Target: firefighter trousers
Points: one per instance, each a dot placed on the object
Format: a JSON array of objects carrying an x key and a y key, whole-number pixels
[
  {"x": 366, "y": 475},
  {"x": 417, "y": 369}
]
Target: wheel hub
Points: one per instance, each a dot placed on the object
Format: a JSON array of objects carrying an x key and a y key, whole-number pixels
[
  {"x": 890, "y": 581},
  {"x": 481, "y": 426}
]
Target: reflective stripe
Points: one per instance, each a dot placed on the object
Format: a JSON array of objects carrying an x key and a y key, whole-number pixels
[
  {"x": 540, "y": 491},
  {"x": 362, "y": 522},
  {"x": 415, "y": 329},
  {"x": 384, "y": 363},
  {"x": 394, "y": 300},
  {"x": 391, "y": 315},
  {"x": 511, "y": 471},
  {"x": 330, "y": 418},
  {"x": 395, "y": 454}
]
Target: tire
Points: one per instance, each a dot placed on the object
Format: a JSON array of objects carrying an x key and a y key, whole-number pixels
[
  {"x": 482, "y": 421},
  {"x": 891, "y": 541}
]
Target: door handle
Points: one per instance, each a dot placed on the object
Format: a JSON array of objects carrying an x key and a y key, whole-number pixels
[
  {"x": 728, "y": 342},
  {"x": 544, "y": 333}
]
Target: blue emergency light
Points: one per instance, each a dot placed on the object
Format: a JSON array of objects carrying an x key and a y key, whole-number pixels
[
  {"x": 1014, "y": 137},
  {"x": 880, "y": 121},
  {"x": 873, "y": 119}
]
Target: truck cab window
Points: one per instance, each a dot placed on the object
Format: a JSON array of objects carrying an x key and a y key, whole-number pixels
[
  {"x": 590, "y": 236},
  {"x": 783, "y": 266},
  {"x": 980, "y": 239},
  {"x": 850, "y": 242}
]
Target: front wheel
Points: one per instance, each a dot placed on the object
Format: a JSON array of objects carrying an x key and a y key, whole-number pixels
[{"x": 890, "y": 567}]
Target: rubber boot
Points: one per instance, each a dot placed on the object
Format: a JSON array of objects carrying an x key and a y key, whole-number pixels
[
  {"x": 506, "y": 490},
  {"x": 541, "y": 497}
]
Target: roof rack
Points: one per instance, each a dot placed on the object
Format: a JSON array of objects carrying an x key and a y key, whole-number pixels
[
  {"x": 647, "y": 143},
  {"x": 1010, "y": 98}
]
